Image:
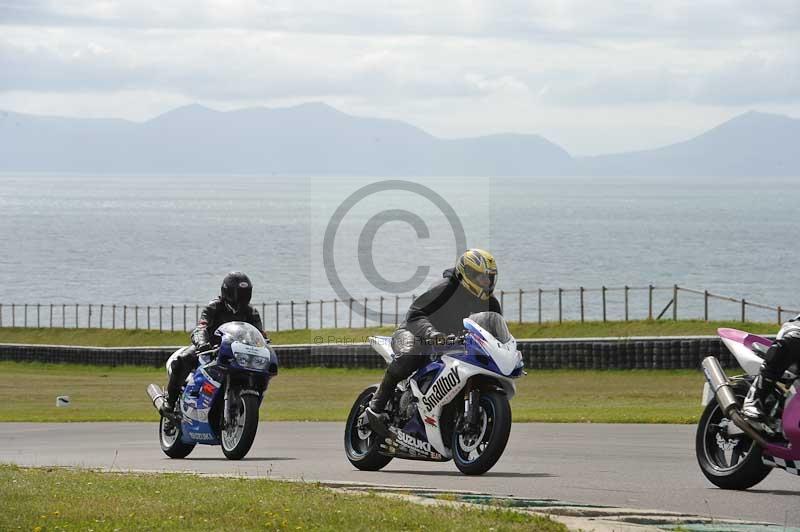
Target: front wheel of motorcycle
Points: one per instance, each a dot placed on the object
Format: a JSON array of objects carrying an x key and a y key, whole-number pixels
[
  {"x": 360, "y": 442},
  {"x": 477, "y": 449},
  {"x": 730, "y": 462},
  {"x": 238, "y": 433},
  {"x": 169, "y": 434}
]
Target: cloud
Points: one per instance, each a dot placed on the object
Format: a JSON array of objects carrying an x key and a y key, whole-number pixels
[
  {"x": 510, "y": 64},
  {"x": 562, "y": 20},
  {"x": 249, "y": 65}
]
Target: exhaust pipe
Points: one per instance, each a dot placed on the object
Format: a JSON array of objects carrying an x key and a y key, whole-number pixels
[
  {"x": 156, "y": 395},
  {"x": 726, "y": 399}
]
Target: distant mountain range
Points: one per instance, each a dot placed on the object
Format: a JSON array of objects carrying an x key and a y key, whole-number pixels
[{"x": 316, "y": 139}]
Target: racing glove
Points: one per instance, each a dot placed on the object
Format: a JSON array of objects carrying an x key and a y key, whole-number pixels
[{"x": 434, "y": 337}]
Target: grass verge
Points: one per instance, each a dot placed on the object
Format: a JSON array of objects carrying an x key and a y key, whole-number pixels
[
  {"x": 124, "y": 338},
  {"x": 60, "y": 499},
  {"x": 326, "y": 394}
]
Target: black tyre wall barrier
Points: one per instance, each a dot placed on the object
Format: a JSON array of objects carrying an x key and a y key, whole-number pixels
[{"x": 634, "y": 353}]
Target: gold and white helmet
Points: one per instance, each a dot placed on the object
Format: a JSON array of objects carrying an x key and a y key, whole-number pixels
[{"x": 477, "y": 272}]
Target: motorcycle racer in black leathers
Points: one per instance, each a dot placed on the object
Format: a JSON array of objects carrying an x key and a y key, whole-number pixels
[
  {"x": 436, "y": 314},
  {"x": 233, "y": 304},
  {"x": 783, "y": 353}
]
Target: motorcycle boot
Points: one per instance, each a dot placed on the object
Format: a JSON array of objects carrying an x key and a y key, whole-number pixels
[{"x": 754, "y": 403}]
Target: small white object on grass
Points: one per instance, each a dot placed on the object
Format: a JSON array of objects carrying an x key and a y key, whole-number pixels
[{"x": 62, "y": 400}]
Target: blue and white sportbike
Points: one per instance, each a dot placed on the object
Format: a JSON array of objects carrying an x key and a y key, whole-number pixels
[
  {"x": 455, "y": 407},
  {"x": 220, "y": 400}
]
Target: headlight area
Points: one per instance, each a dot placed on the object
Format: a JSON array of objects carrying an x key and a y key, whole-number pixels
[{"x": 254, "y": 362}]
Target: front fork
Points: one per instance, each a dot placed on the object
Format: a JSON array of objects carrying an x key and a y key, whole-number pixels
[
  {"x": 228, "y": 415},
  {"x": 471, "y": 407}
]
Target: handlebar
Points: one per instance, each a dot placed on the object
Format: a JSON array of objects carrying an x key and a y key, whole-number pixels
[{"x": 211, "y": 352}]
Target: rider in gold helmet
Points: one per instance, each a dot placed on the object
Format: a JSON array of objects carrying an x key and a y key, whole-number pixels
[
  {"x": 439, "y": 312},
  {"x": 477, "y": 272}
]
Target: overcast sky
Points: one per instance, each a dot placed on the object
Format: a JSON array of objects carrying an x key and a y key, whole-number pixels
[{"x": 592, "y": 76}]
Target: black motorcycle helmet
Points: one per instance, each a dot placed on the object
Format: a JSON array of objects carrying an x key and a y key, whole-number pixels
[{"x": 236, "y": 291}]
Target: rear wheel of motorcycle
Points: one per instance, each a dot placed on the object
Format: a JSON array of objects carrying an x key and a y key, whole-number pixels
[
  {"x": 239, "y": 436},
  {"x": 732, "y": 463},
  {"x": 360, "y": 443},
  {"x": 170, "y": 437},
  {"x": 477, "y": 451}
]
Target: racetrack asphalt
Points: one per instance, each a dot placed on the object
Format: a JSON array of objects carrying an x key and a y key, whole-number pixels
[{"x": 633, "y": 466}]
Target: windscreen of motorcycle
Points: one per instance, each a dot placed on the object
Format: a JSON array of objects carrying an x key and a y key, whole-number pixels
[
  {"x": 241, "y": 332},
  {"x": 494, "y": 324}
]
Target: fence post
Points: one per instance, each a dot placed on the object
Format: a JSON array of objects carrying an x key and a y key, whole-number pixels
[
  {"x": 502, "y": 299},
  {"x": 744, "y": 310},
  {"x": 335, "y": 313},
  {"x": 63, "y": 316},
  {"x": 705, "y": 305},
  {"x": 365, "y": 312},
  {"x": 148, "y": 317},
  {"x": 520, "y": 306},
  {"x": 76, "y": 316},
  {"x": 263, "y": 314},
  {"x": 172, "y": 318},
  {"x": 25, "y": 318},
  {"x": 136, "y": 317},
  {"x": 540, "y": 306},
  {"x": 396, "y": 308},
  {"x": 184, "y": 317},
  {"x": 277, "y": 316},
  {"x": 101, "y": 315},
  {"x": 38, "y": 323},
  {"x": 13, "y": 314},
  {"x": 380, "y": 314},
  {"x": 89, "y": 318},
  {"x": 581, "y": 290},
  {"x": 780, "y": 317},
  {"x": 307, "y": 327},
  {"x": 675, "y": 303},
  {"x": 160, "y": 319},
  {"x": 350, "y": 315},
  {"x": 197, "y": 314},
  {"x": 124, "y": 316},
  {"x": 320, "y": 313},
  {"x": 604, "y": 304},
  {"x": 650, "y": 302},
  {"x": 626, "y": 302},
  {"x": 560, "y": 297},
  {"x": 291, "y": 312},
  {"x": 113, "y": 316},
  {"x": 1, "y": 315}
]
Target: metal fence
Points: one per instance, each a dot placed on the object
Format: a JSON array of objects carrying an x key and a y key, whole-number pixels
[{"x": 606, "y": 303}]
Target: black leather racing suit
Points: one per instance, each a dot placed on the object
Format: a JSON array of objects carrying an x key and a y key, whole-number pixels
[
  {"x": 441, "y": 309},
  {"x": 214, "y": 314}
]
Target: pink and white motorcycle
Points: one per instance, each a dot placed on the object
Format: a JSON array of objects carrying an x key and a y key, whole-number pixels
[{"x": 735, "y": 453}]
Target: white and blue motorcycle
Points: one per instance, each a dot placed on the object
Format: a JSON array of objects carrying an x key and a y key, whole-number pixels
[
  {"x": 457, "y": 407},
  {"x": 220, "y": 399}
]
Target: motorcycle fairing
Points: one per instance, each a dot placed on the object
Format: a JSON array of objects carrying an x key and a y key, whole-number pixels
[
  {"x": 791, "y": 429},
  {"x": 196, "y": 401},
  {"x": 425, "y": 377},
  {"x": 411, "y": 442},
  {"x": 505, "y": 356},
  {"x": 451, "y": 380},
  {"x": 742, "y": 344}
]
